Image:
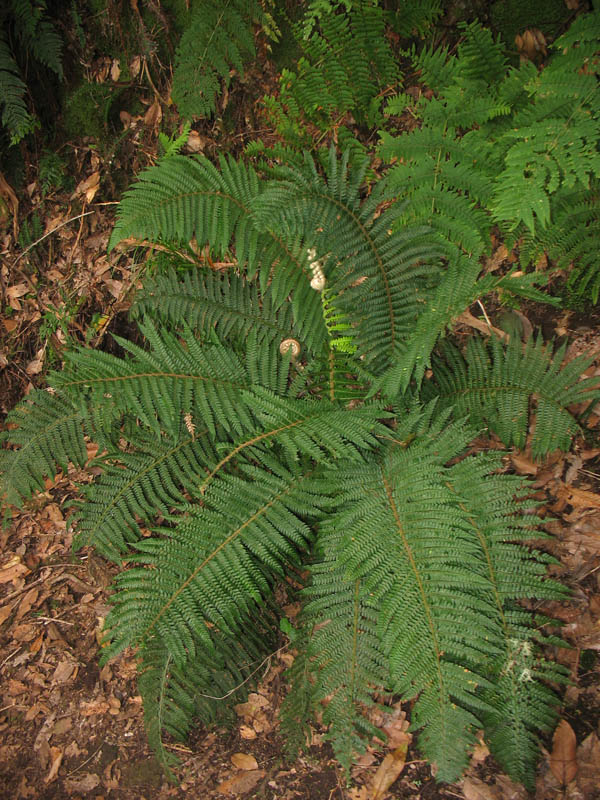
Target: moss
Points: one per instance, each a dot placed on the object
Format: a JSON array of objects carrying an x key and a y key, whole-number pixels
[{"x": 87, "y": 110}]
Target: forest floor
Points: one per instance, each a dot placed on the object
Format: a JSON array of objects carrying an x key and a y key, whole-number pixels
[{"x": 70, "y": 728}]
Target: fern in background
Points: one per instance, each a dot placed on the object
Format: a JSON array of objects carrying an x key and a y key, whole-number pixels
[
  {"x": 500, "y": 144},
  {"x": 25, "y": 30},
  {"x": 346, "y": 62},
  {"x": 217, "y": 39}
]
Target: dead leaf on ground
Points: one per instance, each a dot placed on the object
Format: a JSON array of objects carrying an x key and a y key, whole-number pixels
[
  {"x": 242, "y": 782},
  {"x": 579, "y": 497},
  {"x": 88, "y": 187},
  {"x": 84, "y": 785},
  {"x": 153, "y": 115},
  {"x": 474, "y": 789},
  {"x": 563, "y": 759},
  {"x": 244, "y": 761},
  {"x": 389, "y": 769},
  {"x": 57, "y": 756},
  {"x": 588, "y": 761}
]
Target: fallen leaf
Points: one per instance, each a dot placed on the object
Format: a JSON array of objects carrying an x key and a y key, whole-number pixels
[
  {"x": 242, "y": 782},
  {"x": 14, "y": 292},
  {"x": 389, "y": 769},
  {"x": 195, "y": 142},
  {"x": 563, "y": 759},
  {"x": 57, "y": 756},
  {"x": 244, "y": 761},
  {"x": 134, "y": 66},
  {"x": 588, "y": 761},
  {"x": 474, "y": 789},
  {"x": 64, "y": 670},
  {"x": 153, "y": 115},
  {"x": 88, "y": 187},
  {"x": 84, "y": 785}
]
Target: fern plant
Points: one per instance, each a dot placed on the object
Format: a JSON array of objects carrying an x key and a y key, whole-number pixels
[
  {"x": 260, "y": 431},
  {"x": 345, "y": 65},
  {"x": 503, "y": 145},
  {"x": 24, "y": 29},
  {"x": 217, "y": 39}
]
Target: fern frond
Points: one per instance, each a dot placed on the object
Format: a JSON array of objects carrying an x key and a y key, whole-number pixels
[
  {"x": 162, "y": 385},
  {"x": 182, "y": 197},
  {"x": 341, "y": 623},
  {"x": 373, "y": 262},
  {"x": 497, "y": 385},
  {"x": 205, "y": 688},
  {"x": 217, "y": 39},
  {"x": 49, "y": 434},
  {"x": 219, "y": 563},
  {"x": 15, "y": 117},
  {"x": 138, "y": 485},
  {"x": 224, "y": 302},
  {"x": 399, "y": 553}
]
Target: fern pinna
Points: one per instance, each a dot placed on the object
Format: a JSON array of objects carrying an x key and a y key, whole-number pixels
[{"x": 249, "y": 460}]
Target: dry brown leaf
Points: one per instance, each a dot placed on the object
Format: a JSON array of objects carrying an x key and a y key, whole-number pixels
[
  {"x": 8, "y": 197},
  {"x": 579, "y": 497},
  {"x": 88, "y": 187},
  {"x": 195, "y": 142},
  {"x": 242, "y": 782},
  {"x": 389, "y": 769},
  {"x": 84, "y": 785},
  {"x": 134, "y": 66},
  {"x": 474, "y": 789},
  {"x": 523, "y": 465},
  {"x": 153, "y": 116},
  {"x": 57, "y": 756},
  {"x": 13, "y": 570},
  {"x": 588, "y": 761},
  {"x": 244, "y": 761},
  {"x": 563, "y": 759},
  {"x": 64, "y": 670},
  {"x": 37, "y": 364},
  {"x": 14, "y": 292}
]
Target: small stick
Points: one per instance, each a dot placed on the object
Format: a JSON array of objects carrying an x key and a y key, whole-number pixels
[{"x": 45, "y": 236}]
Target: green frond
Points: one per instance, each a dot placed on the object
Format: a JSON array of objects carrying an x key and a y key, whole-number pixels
[
  {"x": 227, "y": 303},
  {"x": 480, "y": 57},
  {"x": 217, "y": 39},
  {"x": 15, "y": 117},
  {"x": 205, "y": 688},
  {"x": 219, "y": 563},
  {"x": 49, "y": 434},
  {"x": 497, "y": 385},
  {"x": 372, "y": 261},
  {"x": 138, "y": 485},
  {"x": 162, "y": 385},
  {"x": 341, "y": 625}
]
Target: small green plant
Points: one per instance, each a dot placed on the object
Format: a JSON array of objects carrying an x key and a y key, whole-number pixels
[
  {"x": 53, "y": 173},
  {"x": 218, "y": 39}
]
